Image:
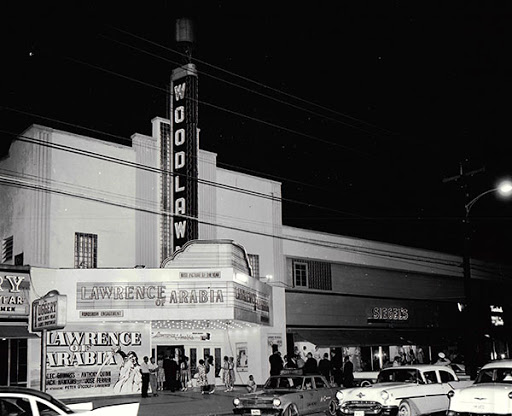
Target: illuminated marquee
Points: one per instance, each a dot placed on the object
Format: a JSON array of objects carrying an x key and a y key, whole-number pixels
[{"x": 184, "y": 155}]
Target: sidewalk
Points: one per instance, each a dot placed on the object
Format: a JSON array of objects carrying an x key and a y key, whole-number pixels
[{"x": 179, "y": 403}]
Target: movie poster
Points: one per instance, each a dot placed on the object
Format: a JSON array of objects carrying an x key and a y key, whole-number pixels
[
  {"x": 96, "y": 359},
  {"x": 241, "y": 357}
]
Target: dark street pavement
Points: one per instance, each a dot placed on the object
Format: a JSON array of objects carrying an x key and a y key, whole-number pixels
[{"x": 190, "y": 402}]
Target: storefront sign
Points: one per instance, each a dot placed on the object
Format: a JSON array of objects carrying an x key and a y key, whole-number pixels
[
  {"x": 14, "y": 295},
  {"x": 497, "y": 315},
  {"x": 387, "y": 314},
  {"x": 49, "y": 313},
  {"x": 103, "y": 359}
]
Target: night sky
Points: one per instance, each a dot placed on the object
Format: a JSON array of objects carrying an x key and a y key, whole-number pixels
[{"x": 360, "y": 109}]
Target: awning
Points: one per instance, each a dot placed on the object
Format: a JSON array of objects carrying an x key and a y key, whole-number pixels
[
  {"x": 375, "y": 337},
  {"x": 15, "y": 330}
]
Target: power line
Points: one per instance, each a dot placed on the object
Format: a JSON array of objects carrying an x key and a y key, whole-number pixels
[
  {"x": 256, "y": 83},
  {"x": 167, "y": 172},
  {"x": 442, "y": 266}
]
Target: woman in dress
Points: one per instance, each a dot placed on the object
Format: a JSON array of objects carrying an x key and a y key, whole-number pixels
[
  {"x": 160, "y": 375},
  {"x": 184, "y": 373},
  {"x": 231, "y": 369},
  {"x": 202, "y": 380},
  {"x": 225, "y": 373},
  {"x": 211, "y": 375}
]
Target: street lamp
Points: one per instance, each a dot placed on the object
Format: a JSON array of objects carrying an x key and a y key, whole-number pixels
[{"x": 504, "y": 188}]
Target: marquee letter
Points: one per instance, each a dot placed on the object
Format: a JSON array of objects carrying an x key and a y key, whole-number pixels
[
  {"x": 179, "y": 137},
  {"x": 179, "y": 160},
  {"x": 179, "y": 206},
  {"x": 177, "y": 187},
  {"x": 179, "y": 114},
  {"x": 179, "y": 91},
  {"x": 180, "y": 228}
]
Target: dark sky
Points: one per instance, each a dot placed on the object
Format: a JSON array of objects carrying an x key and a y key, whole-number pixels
[{"x": 359, "y": 109}]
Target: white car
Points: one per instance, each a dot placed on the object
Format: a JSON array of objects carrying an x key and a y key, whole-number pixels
[
  {"x": 490, "y": 394},
  {"x": 21, "y": 401},
  {"x": 406, "y": 390}
]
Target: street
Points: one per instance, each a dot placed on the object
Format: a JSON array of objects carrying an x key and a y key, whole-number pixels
[{"x": 191, "y": 402}]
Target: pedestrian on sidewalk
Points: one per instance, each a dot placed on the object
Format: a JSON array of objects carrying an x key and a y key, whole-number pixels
[
  {"x": 184, "y": 373},
  {"x": 160, "y": 378},
  {"x": 153, "y": 374},
  {"x": 225, "y": 373},
  {"x": 210, "y": 375},
  {"x": 231, "y": 369},
  {"x": 202, "y": 380},
  {"x": 144, "y": 369}
]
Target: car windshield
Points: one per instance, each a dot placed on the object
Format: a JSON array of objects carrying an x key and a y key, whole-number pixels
[
  {"x": 284, "y": 383},
  {"x": 494, "y": 375},
  {"x": 402, "y": 375}
]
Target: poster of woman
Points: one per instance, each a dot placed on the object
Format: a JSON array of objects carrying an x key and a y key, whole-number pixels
[{"x": 241, "y": 356}]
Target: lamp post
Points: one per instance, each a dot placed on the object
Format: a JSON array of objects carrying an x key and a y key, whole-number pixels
[{"x": 504, "y": 188}]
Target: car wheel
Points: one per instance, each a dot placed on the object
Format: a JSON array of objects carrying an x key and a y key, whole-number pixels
[
  {"x": 291, "y": 410},
  {"x": 331, "y": 409},
  {"x": 366, "y": 383},
  {"x": 405, "y": 409}
]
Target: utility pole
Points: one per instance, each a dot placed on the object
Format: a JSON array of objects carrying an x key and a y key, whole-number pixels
[{"x": 471, "y": 333}]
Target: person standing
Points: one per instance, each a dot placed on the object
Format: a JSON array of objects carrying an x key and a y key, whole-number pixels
[
  {"x": 348, "y": 373},
  {"x": 311, "y": 366},
  {"x": 210, "y": 375},
  {"x": 144, "y": 369},
  {"x": 325, "y": 367},
  {"x": 276, "y": 362},
  {"x": 231, "y": 370},
  {"x": 337, "y": 367},
  {"x": 225, "y": 373},
  {"x": 184, "y": 373},
  {"x": 202, "y": 380},
  {"x": 160, "y": 377},
  {"x": 153, "y": 375},
  {"x": 167, "y": 365}
]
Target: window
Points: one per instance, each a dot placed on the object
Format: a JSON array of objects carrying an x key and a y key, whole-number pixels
[
  {"x": 7, "y": 249},
  {"x": 319, "y": 383},
  {"x": 86, "y": 251},
  {"x": 18, "y": 259},
  {"x": 430, "y": 377},
  {"x": 254, "y": 260},
  {"x": 446, "y": 376},
  {"x": 300, "y": 273},
  {"x": 312, "y": 274}
]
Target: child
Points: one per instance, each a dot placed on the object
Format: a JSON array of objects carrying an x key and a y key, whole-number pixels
[{"x": 251, "y": 385}]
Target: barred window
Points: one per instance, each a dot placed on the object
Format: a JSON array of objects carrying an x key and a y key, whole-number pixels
[
  {"x": 254, "y": 260},
  {"x": 300, "y": 273},
  {"x": 7, "y": 249},
  {"x": 312, "y": 274},
  {"x": 86, "y": 251}
]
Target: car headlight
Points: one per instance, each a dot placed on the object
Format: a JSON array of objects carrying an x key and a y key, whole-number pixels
[
  {"x": 236, "y": 401},
  {"x": 451, "y": 393},
  {"x": 510, "y": 395},
  {"x": 384, "y": 394},
  {"x": 276, "y": 402},
  {"x": 339, "y": 396}
]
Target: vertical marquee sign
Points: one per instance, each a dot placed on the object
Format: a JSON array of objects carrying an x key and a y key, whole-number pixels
[{"x": 184, "y": 150}]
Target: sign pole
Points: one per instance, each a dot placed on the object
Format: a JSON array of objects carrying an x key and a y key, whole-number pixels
[{"x": 43, "y": 361}]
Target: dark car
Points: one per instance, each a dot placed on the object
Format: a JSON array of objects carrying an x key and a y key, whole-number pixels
[{"x": 289, "y": 395}]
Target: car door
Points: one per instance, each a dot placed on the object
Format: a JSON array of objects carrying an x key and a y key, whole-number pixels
[
  {"x": 434, "y": 397},
  {"x": 323, "y": 394},
  {"x": 308, "y": 393}
]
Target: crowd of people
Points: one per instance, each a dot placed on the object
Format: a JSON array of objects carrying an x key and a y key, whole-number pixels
[{"x": 337, "y": 369}]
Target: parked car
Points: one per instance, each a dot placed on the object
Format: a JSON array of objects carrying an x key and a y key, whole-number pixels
[
  {"x": 289, "y": 394},
  {"x": 406, "y": 390},
  {"x": 21, "y": 401},
  {"x": 490, "y": 394},
  {"x": 365, "y": 378}
]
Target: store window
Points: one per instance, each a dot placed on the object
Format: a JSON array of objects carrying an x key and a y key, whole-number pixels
[
  {"x": 13, "y": 362},
  {"x": 254, "y": 260},
  {"x": 312, "y": 274},
  {"x": 7, "y": 249},
  {"x": 86, "y": 251}
]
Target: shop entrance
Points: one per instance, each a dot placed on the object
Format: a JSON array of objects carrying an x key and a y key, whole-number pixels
[{"x": 13, "y": 362}]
